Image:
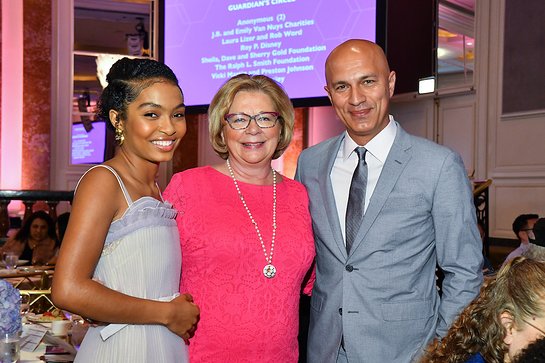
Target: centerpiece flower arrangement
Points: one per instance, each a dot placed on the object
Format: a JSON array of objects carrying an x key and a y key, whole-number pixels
[{"x": 10, "y": 307}]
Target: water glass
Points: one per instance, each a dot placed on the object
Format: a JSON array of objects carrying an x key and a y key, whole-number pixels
[
  {"x": 9, "y": 348},
  {"x": 78, "y": 331},
  {"x": 25, "y": 304},
  {"x": 10, "y": 260}
]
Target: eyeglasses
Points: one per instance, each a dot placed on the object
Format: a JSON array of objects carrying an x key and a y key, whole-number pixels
[
  {"x": 535, "y": 327},
  {"x": 241, "y": 121},
  {"x": 527, "y": 229}
]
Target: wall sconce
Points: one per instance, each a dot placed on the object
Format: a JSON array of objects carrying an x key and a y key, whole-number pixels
[{"x": 426, "y": 85}]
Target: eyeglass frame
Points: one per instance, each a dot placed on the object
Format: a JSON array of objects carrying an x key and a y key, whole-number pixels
[
  {"x": 535, "y": 327},
  {"x": 254, "y": 117}
]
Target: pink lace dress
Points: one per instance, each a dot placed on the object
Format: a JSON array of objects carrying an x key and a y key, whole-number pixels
[{"x": 245, "y": 316}]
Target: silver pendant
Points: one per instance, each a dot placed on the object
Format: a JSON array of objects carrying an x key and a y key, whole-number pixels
[{"x": 269, "y": 271}]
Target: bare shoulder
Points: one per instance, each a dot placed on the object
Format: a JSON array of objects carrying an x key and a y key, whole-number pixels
[
  {"x": 99, "y": 188},
  {"x": 98, "y": 181}
]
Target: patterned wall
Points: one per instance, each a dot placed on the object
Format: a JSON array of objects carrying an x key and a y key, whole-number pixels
[
  {"x": 0, "y": 71},
  {"x": 37, "y": 93},
  {"x": 298, "y": 142}
]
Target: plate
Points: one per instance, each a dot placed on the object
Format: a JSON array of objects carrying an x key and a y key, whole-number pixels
[
  {"x": 40, "y": 318},
  {"x": 33, "y": 268},
  {"x": 19, "y": 263}
]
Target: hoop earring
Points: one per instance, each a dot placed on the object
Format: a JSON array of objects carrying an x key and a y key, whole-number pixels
[{"x": 119, "y": 136}]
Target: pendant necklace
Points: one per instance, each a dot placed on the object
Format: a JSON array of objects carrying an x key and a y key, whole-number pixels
[{"x": 269, "y": 270}]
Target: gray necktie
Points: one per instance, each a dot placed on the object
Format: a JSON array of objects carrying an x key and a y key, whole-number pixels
[{"x": 356, "y": 198}]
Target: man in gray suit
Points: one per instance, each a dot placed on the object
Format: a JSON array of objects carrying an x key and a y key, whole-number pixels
[{"x": 377, "y": 301}]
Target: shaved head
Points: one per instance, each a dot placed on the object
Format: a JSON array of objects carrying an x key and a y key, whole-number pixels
[
  {"x": 359, "y": 85},
  {"x": 356, "y": 48}
]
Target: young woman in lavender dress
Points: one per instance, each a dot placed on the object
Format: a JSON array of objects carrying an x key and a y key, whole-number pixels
[{"x": 120, "y": 259}]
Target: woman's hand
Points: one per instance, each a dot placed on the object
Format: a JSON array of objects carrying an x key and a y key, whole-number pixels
[{"x": 184, "y": 316}]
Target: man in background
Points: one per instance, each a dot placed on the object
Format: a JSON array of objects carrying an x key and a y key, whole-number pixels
[
  {"x": 523, "y": 228},
  {"x": 536, "y": 245},
  {"x": 387, "y": 207}
]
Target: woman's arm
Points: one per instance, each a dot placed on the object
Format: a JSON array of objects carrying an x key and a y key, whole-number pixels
[
  {"x": 97, "y": 203},
  {"x": 12, "y": 245}
]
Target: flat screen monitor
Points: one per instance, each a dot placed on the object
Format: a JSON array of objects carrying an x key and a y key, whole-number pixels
[
  {"x": 88, "y": 147},
  {"x": 206, "y": 42}
]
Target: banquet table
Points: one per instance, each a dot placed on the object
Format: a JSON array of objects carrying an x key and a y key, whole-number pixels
[
  {"x": 33, "y": 357},
  {"x": 38, "y": 336},
  {"x": 28, "y": 277}
]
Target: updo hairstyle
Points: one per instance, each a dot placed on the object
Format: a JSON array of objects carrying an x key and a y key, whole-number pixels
[{"x": 126, "y": 79}]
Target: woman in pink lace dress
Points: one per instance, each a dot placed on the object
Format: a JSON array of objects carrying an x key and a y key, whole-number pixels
[{"x": 245, "y": 230}]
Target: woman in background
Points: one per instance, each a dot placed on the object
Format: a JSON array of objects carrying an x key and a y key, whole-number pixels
[
  {"x": 245, "y": 230},
  {"x": 60, "y": 228},
  {"x": 120, "y": 258},
  {"x": 508, "y": 314},
  {"x": 35, "y": 241},
  {"x": 533, "y": 353},
  {"x": 62, "y": 223}
]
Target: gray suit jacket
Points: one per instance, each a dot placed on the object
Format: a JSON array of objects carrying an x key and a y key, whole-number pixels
[{"x": 382, "y": 297}]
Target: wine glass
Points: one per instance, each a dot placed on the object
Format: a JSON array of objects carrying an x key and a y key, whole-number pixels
[
  {"x": 78, "y": 331},
  {"x": 10, "y": 260}
]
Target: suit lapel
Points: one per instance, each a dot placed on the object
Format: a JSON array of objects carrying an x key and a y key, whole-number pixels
[
  {"x": 325, "y": 167},
  {"x": 396, "y": 161}
]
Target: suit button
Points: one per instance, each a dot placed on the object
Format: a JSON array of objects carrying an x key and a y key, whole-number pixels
[
  {"x": 349, "y": 268},
  {"x": 340, "y": 311}
]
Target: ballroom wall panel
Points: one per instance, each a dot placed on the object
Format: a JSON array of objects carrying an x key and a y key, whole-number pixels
[
  {"x": 515, "y": 157},
  {"x": 0, "y": 76},
  {"x": 416, "y": 115},
  {"x": 523, "y": 71},
  {"x": 457, "y": 127},
  {"x": 520, "y": 144},
  {"x": 515, "y": 197},
  {"x": 36, "y": 93}
]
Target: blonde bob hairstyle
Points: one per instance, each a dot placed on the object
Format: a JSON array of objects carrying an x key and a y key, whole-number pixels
[{"x": 222, "y": 101}]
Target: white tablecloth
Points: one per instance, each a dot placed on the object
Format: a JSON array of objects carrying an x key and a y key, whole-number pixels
[{"x": 34, "y": 357}]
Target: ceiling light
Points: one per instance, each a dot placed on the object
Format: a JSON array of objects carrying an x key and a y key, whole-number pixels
[{"x": 442, "y": 33}]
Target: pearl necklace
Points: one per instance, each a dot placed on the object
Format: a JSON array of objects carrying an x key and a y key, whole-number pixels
[{"x": 269, "y": 270}]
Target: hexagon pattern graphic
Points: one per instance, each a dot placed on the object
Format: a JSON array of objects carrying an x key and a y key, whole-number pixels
[{"x": 209, "y": 41}]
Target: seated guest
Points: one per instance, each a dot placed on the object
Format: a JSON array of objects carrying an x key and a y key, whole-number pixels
[
  {"x": 62, "y": 223},
  {"x": 35, "y": 241},
  {"x": 508, "y": 314},
  {"x": 536, "y": 247},
  {"x": 522, "y": 226},
  {"x": 533, "y": 353}
]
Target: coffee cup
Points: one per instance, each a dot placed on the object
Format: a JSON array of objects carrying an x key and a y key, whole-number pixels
[{"x": 60, "y": 327}]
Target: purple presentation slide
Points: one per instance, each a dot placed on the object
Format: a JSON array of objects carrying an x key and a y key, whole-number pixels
[
  {"x": 88, "y": 147},
  {"x": 209, "y": 41}
]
